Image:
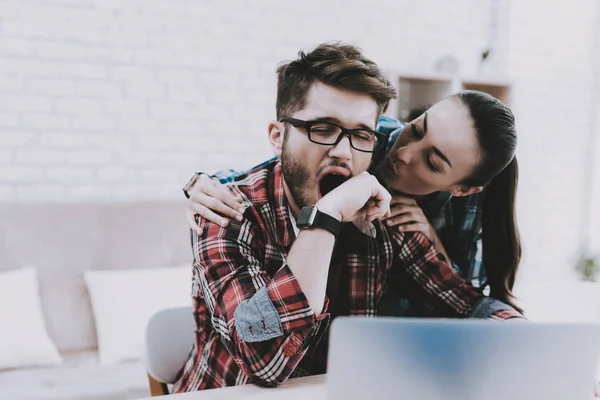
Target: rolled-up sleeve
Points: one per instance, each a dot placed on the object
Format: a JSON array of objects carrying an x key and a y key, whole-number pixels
[{"x": 264, "y": 321}]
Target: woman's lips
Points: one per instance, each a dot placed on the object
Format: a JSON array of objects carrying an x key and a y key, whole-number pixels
[{"x": 389, "y": 165}]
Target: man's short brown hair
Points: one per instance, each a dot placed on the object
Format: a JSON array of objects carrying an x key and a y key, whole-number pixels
[{"x": 340, "y": 65}]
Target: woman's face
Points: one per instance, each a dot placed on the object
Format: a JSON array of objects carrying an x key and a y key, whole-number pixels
[{"x": 435, "y": 152}]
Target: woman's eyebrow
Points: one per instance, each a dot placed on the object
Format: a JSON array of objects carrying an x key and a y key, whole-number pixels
[
  {"x": 437, "y": 151},
  {"x": 441, "y": 155}
]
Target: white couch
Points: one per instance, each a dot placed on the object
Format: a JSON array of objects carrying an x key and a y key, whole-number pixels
[{"x": 62, "y": 241}]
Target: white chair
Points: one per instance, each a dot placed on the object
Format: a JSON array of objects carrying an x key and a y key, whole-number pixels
[{"x": 169, "y": 339}]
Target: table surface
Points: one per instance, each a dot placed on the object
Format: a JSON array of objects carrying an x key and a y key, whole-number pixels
[
  {"x": 307, "y": 388},
  {"x": 310, "y": 387}
]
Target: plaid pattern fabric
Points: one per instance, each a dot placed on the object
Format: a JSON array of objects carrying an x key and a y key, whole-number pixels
[
  {"x": 457, "y": 220},
  {"x": 244, "y": 264}
]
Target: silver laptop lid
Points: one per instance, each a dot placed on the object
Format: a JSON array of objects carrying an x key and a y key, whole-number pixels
[{"x": 394, "y": 358}]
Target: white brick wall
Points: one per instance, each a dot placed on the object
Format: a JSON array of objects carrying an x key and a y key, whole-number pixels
[
  {"x": 551, "y": 58},
  {"x": 594, "y": 148},
  {"x": 113, "y": 100},
  {"x": 124, "y": 99}
]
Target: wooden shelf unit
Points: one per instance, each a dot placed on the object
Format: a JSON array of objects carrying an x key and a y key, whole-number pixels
[{"x": 417, "y": 91}]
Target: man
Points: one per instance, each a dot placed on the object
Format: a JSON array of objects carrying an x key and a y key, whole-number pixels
[{"x": 265, "y": 291}]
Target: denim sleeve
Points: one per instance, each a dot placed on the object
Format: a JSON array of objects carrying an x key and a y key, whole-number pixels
[
  {"x": 387, "y": 125},
  {"x": 391, "y": 128},
  {"x": 487, "y": 308},
  {"x": 227, "y": 175},
  {"x": 257, "y": 319}
]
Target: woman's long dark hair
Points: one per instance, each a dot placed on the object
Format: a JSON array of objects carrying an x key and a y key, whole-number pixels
[{"x": 498, "y": 173}]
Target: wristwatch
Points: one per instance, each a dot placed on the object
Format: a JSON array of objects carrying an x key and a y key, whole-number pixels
[
  {"x": 311, "y": 217},
  {"x": 192, "y": 182}
]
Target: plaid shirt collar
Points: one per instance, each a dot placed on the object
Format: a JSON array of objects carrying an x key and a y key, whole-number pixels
[{"x": 275, "y": 196}]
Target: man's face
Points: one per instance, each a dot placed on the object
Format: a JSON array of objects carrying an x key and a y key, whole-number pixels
[{"x": 312, "y": 170}]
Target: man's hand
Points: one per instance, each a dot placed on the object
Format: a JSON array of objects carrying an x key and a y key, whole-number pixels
[{"x": 359, "y": 195}]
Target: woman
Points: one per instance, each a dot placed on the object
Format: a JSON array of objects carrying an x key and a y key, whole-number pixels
[{"x": 453, "y": 174}]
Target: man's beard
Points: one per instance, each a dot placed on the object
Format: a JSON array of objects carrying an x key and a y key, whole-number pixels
[{"x": 295, "y": 175}]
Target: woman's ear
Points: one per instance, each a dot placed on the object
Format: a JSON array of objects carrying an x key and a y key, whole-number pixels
[
  {"x": 460, "y": 191},
  {"x": 276, "y": 137}
]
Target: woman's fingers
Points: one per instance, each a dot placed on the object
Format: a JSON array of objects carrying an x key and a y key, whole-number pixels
[
  {"x": 404, "y": 209},
  {"x": 222, "y": 193},
  {"x": 217, "y": 190},
  {"x": 415, "y": 227},
  {"x": 191, "y": 219},
  {"x": 397, "y": 199},
  {"x": 206, "y": 213},
  {"x": 405, "y": 219},
  {"x": 400, "y": 219},
  {"x": 209, "y": 197},
  {"x": 217, "y": 205}
]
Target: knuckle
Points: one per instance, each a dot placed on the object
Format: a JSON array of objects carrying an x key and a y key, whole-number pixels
[{"x": 201, "y": 185}]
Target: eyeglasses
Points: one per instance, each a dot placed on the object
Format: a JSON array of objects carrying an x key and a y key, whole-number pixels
[{"x": 330, "y": 134}]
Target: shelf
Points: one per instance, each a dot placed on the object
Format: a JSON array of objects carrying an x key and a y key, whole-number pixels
[
  {"x": 420, "y": 89},
  {"x": 487, "y": 81}
]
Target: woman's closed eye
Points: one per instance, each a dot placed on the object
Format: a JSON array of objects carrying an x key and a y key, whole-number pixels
[{"x": 431, "y": 164}]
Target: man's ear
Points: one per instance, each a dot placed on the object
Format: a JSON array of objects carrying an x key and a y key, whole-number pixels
[
  {"x": 460, "y": 191},
  {"x": 276, "y": 137}
]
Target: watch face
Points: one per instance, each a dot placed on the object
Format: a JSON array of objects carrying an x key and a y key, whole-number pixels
[{"x": 307, "y": 215}]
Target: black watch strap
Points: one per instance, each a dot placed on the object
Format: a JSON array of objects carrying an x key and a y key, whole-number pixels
[
  {"x": 311, "y": 217},
  {"x": 329, "y": 223}
]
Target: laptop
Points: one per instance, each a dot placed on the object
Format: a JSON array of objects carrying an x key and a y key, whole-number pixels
[{"x": 429, "y": 359}]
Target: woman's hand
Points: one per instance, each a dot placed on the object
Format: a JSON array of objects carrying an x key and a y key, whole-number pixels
[
  {"x": 209, "y": 197},
  {"x": 407, "y": 216}
]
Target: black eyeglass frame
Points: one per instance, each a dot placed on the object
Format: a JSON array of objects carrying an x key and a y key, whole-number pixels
[{"x": 307, "y": 125}]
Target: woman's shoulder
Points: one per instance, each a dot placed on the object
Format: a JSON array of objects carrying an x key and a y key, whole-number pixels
[{"x": 388, "y": 125}]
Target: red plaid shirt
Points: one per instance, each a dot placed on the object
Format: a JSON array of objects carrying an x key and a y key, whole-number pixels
[{"x": 253, "y": 321}]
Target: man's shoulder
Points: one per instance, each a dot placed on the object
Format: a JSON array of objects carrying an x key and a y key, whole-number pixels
[{"x": 256, "y": 184}]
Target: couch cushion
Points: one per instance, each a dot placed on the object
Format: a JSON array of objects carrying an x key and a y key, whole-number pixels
[
  {"x": 80, "y": 378},
  {"x": 63, "y": 240},
  {"x": 24, "y": 340}
]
